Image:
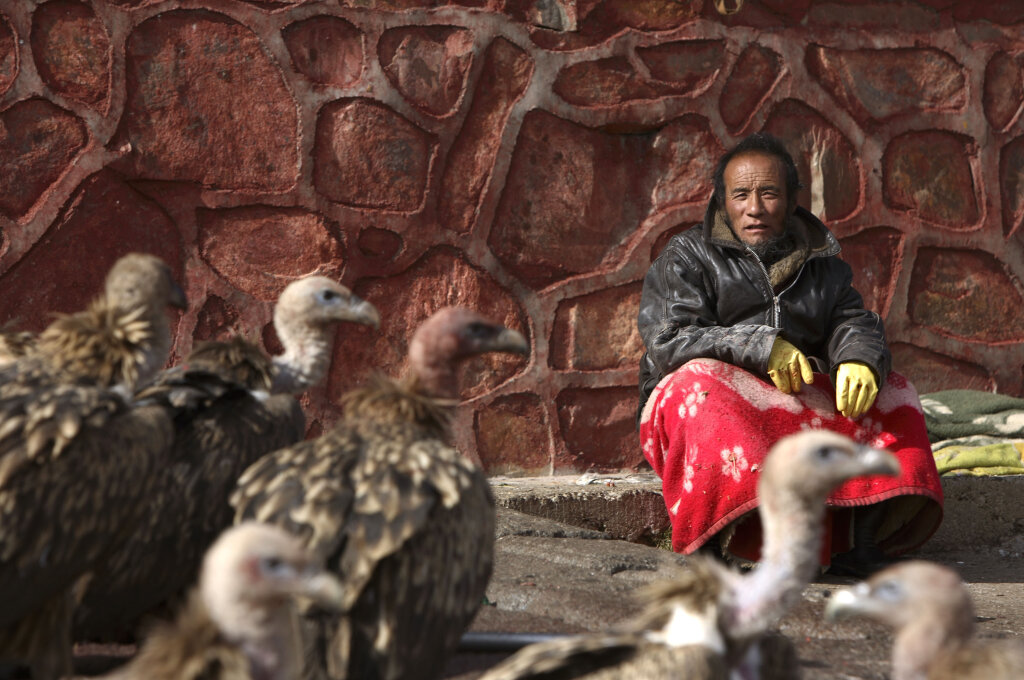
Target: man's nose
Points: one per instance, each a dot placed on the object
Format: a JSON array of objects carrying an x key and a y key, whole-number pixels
[{"x": 755, "y": 206}]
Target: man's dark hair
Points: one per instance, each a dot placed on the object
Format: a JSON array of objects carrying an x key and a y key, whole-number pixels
[{"x": 764, "y": 143}]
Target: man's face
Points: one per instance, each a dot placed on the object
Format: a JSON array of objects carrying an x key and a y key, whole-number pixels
[{"x": 755, "y": 197}]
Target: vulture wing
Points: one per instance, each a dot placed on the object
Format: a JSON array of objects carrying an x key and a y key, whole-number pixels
[
  {"x": 406, "y": 520},
  {"x": 221, "y": 427},
  {"x": 77, "y": 465}
]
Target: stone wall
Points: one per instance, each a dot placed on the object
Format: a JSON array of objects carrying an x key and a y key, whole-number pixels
[{"x": 527, "y": 157}]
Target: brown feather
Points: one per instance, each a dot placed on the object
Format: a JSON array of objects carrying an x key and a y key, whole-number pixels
[{"x": 220, "y": 429}]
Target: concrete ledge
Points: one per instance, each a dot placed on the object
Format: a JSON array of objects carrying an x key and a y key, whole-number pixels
[
  {"x": 979, "y": 511},
  {"x": 628, "y": 507}
]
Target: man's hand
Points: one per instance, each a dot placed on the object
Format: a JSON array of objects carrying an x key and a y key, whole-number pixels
[
  {"x": 787, "y": 366},
  {"x": 856, "y": 389}
]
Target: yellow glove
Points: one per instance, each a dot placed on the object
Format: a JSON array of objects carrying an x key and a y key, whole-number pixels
[
  {"x": 856, "y": 389},
  {"x": 787, "y": 366}
]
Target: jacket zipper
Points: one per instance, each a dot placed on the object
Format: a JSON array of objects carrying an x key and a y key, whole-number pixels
[{"x": 776, "y": 312}]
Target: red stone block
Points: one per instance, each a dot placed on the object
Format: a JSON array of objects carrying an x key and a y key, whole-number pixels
[
  {"x": 440, "y": 278},
  {"x": 369, "y": 156},
  {"x": 876, "y": 257},
  {"x": 837, "y": 176},
  {"x": 1004, "y": 89},
  {"x": 876, "y": 85},
  {"x": 503, "y": 79},
  {"x": 683, "y": 158},
  {"x": 428, "y": 65},
  {"x": 206, "y": 104},
  {"x": 597, "y": 331},
  {"x": 572, "y": 197},
  {"x": 261, "y": 249},
  {"x": 326, "y": 49},
  {"x": 966, "y": 294},
  {"x": 72, "y": 51},
  {"x": 513, "y": 436},
  {"x": 598, "y": 427},
  {"x": 65, "y": 269},
  {"x": 753, "y": 76},
  {"x": 39, "y": 143},
  {"x": 217, "y": 320},
  {"x": 680, "y": 68},
  {"x": 1004, "y": 13},
  {"x": 690, "y": 66},
  {"x": 931, "y": 371},
  {"x": 929, "y": 174},
  {"x": 876, "y": 15},
  {"x": 379, "y": 243},
  {"x": 8, "y": 54},
  {"x": 1011, "y": 185},
  {"x": 605, "y": 82}
]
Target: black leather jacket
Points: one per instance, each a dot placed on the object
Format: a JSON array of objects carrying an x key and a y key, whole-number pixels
[{"x": 707, "y": 295}]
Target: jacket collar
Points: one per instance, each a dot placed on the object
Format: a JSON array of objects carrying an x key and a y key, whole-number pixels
[{"x": 813, "y": 239}]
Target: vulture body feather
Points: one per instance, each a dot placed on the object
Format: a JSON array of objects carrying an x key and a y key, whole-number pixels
[
  {"x": 932, "y": 615},
  {"x": 77, "y": 459},
  {"x": 404, "y": 519},
  {"x": 224, "y": 421},
  {"x": 240, "y": 623}
]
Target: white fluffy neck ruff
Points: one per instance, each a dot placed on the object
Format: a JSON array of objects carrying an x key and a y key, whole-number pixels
[
  {"x": 306, "y": 358},
  {"x": 687, "y": 628}
]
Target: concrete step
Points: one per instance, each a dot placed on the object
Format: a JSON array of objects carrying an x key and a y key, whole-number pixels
[{"x": 979, "y": 511}]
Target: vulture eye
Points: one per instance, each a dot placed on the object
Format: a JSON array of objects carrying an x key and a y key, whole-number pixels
[
  {"x": 328, "y": 295},
  {"x": 888, "y": 590},
  {"x": 826, "y": 453},
  {"x": 478, "y": 329},
  {"x": 276, "y": 566}
]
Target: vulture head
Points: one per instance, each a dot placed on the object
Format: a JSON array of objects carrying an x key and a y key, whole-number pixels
[
  {"x": 449, "y": 336},
  {"x": 808, "y": 465},
  {"x": 319, "y": 302},
  {"x": 138, "y": 280},
  {"x": 930, "y": 611},
  {"x": 304, "y": 318},
  {"x": 253, "y": 574}
]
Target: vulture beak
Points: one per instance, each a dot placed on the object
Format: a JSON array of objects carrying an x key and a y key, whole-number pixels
[
  {"x": 878, "y": 462},
  {"x": 848, "y": 602},
  {"x": 510, "y": 341},
  {"x": 362, "y": 312},
  {"x": 322, "y": 588},
  {"x": 177, "y": 298}
]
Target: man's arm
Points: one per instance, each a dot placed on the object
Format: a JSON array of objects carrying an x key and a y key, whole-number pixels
[
  {"x": 678, "y": 322},
  {"x": 857, "y": 333}
]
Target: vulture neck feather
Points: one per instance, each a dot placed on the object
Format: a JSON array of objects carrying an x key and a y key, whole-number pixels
[
  {"x": 392, "y": 401},
  {"x": 792, "y": 527},
  {"x": 265, "y": 632},
  {"x": 934, "y": 633},
  {"x": 306, "y": 358}
]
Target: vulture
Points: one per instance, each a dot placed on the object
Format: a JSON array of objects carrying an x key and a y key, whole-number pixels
[
  {"x": 225, "y": 420},
  {"x": 403, "y": 518},
  {"x": 710, "y": 621},
  {"x": 931, "y": 613},
  {"x": 77, "y": 457},
  {"x": 123, "y": 338},
  {"x": 241, "y": 622}
]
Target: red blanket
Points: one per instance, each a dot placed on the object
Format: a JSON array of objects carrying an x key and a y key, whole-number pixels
[{"x": 706, "y": 430}]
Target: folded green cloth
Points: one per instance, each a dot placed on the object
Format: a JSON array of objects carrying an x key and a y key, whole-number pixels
[
  {"x": 995, "y": 459},
  {"x": 962, "y": 413}
]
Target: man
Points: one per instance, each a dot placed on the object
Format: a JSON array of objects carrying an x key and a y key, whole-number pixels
[{"x": 757, "y": 294}]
